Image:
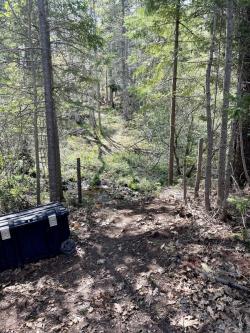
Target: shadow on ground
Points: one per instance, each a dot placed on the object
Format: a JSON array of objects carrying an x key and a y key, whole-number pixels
[{"x": 127, "y": 276}]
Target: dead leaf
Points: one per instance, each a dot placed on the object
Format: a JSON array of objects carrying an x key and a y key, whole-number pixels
[
  {"x": 206, "y": 268},
  {"x": 118, "y": 308}
]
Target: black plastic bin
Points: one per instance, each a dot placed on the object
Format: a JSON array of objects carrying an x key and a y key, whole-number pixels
[{"x": 33, "y": 234}]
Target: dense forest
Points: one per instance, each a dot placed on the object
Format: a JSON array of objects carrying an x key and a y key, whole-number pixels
[
  {"x": 131, "y": 100},
  {"x": 130, "y": 87}
]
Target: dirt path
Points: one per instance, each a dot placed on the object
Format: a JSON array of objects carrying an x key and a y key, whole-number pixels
[{"x": 133, "y": 273}]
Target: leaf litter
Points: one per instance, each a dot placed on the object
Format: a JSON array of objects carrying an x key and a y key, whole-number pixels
[{"x": 148, "y": 266}]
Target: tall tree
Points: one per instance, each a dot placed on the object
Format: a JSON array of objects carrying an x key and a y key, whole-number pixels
[
  {"x": 35, "y": 100},
  {"x": 241, "y": 161},
  {"x": 210, "y": 140},
  {"x": 173, "y": 101},
  {"x": 124, "y": 64},
  {"x": 224, "y": 112},
  {"x": 54, "y": 164}
]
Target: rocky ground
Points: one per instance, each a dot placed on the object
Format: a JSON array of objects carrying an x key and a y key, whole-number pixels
[{"x": 144, "y": 265}]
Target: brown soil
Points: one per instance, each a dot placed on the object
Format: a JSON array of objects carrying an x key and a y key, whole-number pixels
[{"x": 134, "y": 271}]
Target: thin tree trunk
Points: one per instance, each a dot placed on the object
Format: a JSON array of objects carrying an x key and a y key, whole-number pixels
[
  {"x": 224, "y": 117},
  {"x": 98, "y": 88},
  {"x": 79, "y": 180},
  {"x": 229, "y": 170},
  {"x": 173, "y": 101},
  {"x": 111, "y": 98},
  {"x": 54, "y": 164},
  {"x": 111, "y": 90},
  {"x": 177, "y": 161},
  {"x": 106, "y": 86},
  {"x": 218, "y": 65},
  {"x": 125, "y": 95},
  {"x": 208, "y": 177},
  {"x": 185, "y": 180},
  {"x": 99, "y": 107},
  {"x": 187, "y": 152},
  {"x": 35, "y": 103},
  {"x": 243, "y": 159},
  {"x": 199, "y": 168}
]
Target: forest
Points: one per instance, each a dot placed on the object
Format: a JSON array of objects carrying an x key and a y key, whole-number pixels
[{"x": 135, "y": 114}]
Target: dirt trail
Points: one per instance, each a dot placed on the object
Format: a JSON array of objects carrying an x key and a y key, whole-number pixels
[{"x": 131, "y": 274}]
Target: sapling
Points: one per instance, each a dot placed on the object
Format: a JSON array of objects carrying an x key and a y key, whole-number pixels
[{"x": 241, "y": 204}]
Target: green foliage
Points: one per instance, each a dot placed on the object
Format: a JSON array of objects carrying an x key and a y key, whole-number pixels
[
  {"x": 240, "y": 110},
  {"x": 13, "y": 193},
  {"x": 72, "y": 17},
  {"x": 87, "y": 38},
  {"x": 135, "y": 171},
  {"x": 88, "y": 155},
  {"x": 240, "y": 203}
]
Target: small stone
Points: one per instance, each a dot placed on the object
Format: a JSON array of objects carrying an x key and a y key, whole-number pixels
[
  {"x": 101, "y": 261},
  {"x": 118, "y": 308},
  {"x": 90, "y": 309}
]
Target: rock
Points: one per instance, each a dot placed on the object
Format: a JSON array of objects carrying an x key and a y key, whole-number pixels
[
  {"x": 118, "y": 308},
  {"x": 90, "y": 309},
  {"x": 100, "y": 261}
]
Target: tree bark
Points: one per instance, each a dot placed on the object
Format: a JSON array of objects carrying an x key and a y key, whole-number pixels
[
  {"x": 185, "y": 180},
  {"x": 241, "y": 163},
  {"x": 79, "y": 181},
  {"x": 106, "y": 86},
  {"x": 229, "y": 170},
  {"x": 173, "y": 101},
  {"x": 243, "y": 159},
  {"x": 208, "y": 177},
  {"x": 224, "y": 118},
  {"x": 187, "y": 151},
  {"x": 54, "y": 164},
  {"x": 124, "y": 56},
  {"x": 35, "y": 104},
  {"x": 199, "y": 168}
]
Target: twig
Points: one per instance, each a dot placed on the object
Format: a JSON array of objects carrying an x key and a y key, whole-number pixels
[
  {"x": 230, "y": 284},
  {"x": 213, "y": 278}
]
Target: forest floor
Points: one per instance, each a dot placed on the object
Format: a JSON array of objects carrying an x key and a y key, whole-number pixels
[{"x": 143, "y": 265}]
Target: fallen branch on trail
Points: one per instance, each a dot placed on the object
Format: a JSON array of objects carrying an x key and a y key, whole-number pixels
[
  {"x": 208, "y": 274},
  {"x": 228, "y": 283}
]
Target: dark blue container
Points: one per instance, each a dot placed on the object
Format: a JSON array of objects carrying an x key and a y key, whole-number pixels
[{"x": 33, "y": 234}]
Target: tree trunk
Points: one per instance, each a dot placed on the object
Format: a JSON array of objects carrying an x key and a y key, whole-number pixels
[
  {"x": 35, "y": 104},
  {"x": 54, "y": 164},
  {"x": 199, "y": 168},
  {"x": 187, "y": 152},
  {"x": 242, "y": 138},
  {"x": 229, "y": 170},
  {"x": 173, "y": 101},
  {"x": 185, "y": 181},
  {"x": 243, "y": 159},
  {"x": 208, "y": 177},
  {"x": 124, "y": 56},
  {"x": 79, "y": 180},
  {"x": 111, "y": 91},
  {"x": 106, "y": 86},
  {"x": 98, "y": 90},
  {"x": 111, "y": 98},
  {"x": 224, "y": 118}
]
